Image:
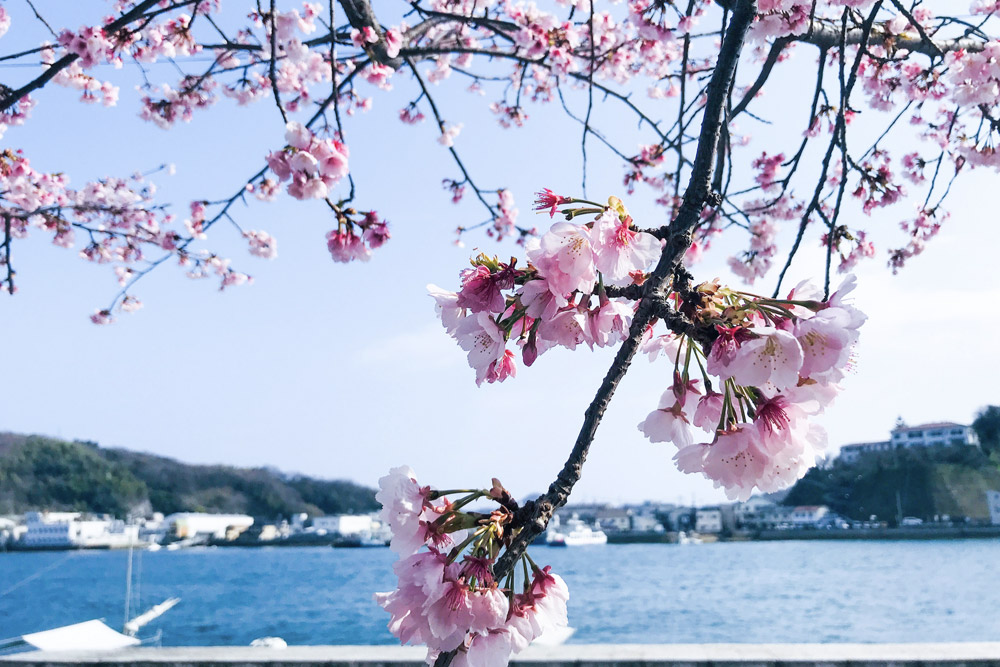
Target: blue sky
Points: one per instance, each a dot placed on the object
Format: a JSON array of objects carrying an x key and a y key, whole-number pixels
[{"x": 342, "y": 371}]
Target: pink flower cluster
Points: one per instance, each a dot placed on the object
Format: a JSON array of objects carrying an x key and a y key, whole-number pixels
[
  {"x": 774, "y": 364},
  {"x": 356, "y": 236},
  {"x": 313, "y": 165},
  {"x": 551, "y": 302},
  {"x": 118, "y": 218},
  {"x": 447, "y": 596}
]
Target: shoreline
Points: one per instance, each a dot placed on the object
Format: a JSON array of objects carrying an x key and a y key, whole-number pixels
[{"x": 873, "y": 534}]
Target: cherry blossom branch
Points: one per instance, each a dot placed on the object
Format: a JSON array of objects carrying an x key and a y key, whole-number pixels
[
  {"x": 826, "y": 34},
  {"x": 273, "y": 64},
  {"x": 451, "y": 149},
  {"x": 840, "y": 127},
  {"x": 12, "y": 97},
  {"x": 765, "y": 72},
  {"x": 535, "y": 515},
  {"x": 6, "y": 254}
]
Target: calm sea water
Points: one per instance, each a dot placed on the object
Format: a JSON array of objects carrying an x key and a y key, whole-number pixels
[{"x": 735, "y": 592}]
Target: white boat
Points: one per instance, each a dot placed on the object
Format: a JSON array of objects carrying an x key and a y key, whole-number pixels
[
  {"x": 684, "y": 538},
  {"x": 576, "y": 534}
]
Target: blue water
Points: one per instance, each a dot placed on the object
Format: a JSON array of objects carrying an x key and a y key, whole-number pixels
[{"x": 658, "y": 593}]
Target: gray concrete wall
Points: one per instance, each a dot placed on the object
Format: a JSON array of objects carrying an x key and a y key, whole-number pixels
[{"x": 580, "y": 655}]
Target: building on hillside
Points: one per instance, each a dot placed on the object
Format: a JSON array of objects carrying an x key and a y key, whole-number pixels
[
  {"x": 708, "y": 520},
  {"x": 851, "y": 453},
  {"x": 344, "y": 524},
  {"x": 993, "y": 502},
  {"x": 936, "y": 434},
  {"x": 72, "y": 530},
  {"x": 196, "y": 524}
]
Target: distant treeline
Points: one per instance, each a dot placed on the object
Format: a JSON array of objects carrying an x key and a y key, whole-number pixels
[
  {"x": 919, "y": 482},
  {"x": 45, "y": 473}
]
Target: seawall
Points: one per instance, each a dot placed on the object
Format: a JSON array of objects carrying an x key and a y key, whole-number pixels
[{"x": 978, "y": 654}]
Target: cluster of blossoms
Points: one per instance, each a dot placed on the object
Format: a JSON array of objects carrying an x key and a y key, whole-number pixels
[
  {"x": 356, "y": 235},
  {"x": 774, "y": 364},
  {"x": 559, "y": 299},
  {"x": 312, "y": 165},
  {"x": 118, "y": 220},
  {"x": 280, "y": 55},
  {"x": 449, "y": 597}
]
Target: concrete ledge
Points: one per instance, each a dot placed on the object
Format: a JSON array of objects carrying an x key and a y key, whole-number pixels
[{"x": 981, "y": 654}]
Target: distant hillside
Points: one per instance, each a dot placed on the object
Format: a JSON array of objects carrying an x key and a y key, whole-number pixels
[
  {"x": 953, "y": 481},
  {"x": 44, "y": 473}
]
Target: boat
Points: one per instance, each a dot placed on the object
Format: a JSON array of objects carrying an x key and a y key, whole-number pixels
[
  {"x": 684, "y": 538},
  {"x": 576, "y": 534},
  {"x": 95, "y": 635}
]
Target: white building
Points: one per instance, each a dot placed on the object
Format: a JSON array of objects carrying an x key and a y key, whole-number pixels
[
  {"x": 69, "y": 530},
  {"x": 708, "y": 520},
  {"x": 807, "y": 515},
  {"x": 749, "y": 514},
  {"x": 851, "y": 453},
  {"x": 936, "y": 434},
  {"x": 344, "y": 524},
  {"x": 993, "y": 502},
  {"x": 613, "y": 518},
  {"x": 646, "y": 523},
  {"x": 193, "y": 524}
]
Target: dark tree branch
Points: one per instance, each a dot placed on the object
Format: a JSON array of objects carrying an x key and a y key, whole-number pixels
[
  {"x": 535, "y": 515},
  {"x": 361, "y": 16},
  {"x": 765, "y": 72},
  {"x": 826, "y": 34},
  {"x": 273, "y": 64}
]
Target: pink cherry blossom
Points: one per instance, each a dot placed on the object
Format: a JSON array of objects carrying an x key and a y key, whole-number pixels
[
  {"x": 403, "y": 502},
  {"x": 565, "y": 258},
  {"x": 480, "y": 336},
  {"x": 619, "y": 250},
  {"x": 772, "y": 356}
]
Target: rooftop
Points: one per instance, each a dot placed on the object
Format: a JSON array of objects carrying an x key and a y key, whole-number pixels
[{"x": 921, "y": 427}]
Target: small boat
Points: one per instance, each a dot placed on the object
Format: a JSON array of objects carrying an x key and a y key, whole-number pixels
[
  {"x": 684, "y": 538},
  {"x": 576, "y": 534}
]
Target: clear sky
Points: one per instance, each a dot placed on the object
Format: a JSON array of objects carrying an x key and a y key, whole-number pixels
[{"x": 342, "y": 371}]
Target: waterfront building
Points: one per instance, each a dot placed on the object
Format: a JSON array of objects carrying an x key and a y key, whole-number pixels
[
  {"x": 708, "y": 520},
  {"x": 750, "y": 513},
  {"x": 808, "y": 515},
  {"x": 71, "y": 530},
  {"x": 613, "y": 518},
  {"x": 344, "y": 524},
  {"x": 646, "y": 523},
  {"x": 196, "y": 524},
  {"x": 993, "y": 502}
]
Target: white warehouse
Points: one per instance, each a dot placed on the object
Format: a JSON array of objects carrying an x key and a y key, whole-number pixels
[{"x": 192, "y": 524}]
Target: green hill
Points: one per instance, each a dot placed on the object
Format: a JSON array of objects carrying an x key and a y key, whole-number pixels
[
  {"x": 44, "y": 473},
  {"x": 920, "y": 483}
]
